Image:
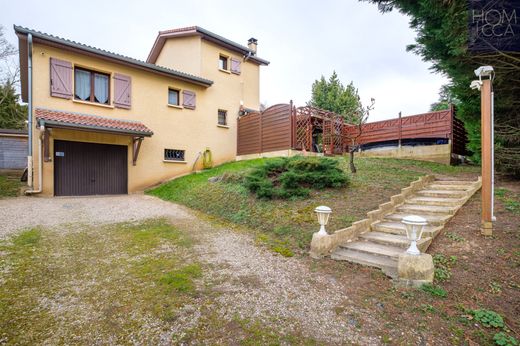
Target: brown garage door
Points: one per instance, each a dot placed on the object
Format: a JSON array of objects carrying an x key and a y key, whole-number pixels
[{"x": 89, "y": 169}]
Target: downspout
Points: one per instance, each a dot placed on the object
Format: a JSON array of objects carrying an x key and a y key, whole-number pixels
[
  {"x": 40, "y": 163},
  {"x": 29, "y": 112},
  {"x": 30, "y": 177}
]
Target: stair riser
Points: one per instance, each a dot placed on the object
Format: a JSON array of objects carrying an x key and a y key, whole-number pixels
[
  {"x": 403, "y": 232},
  {"x": 453, "y": 182},
  {"x": 419, "y": 211},
  {"x": 392, "y": 257},
  {"x": 441, "y": 195},
  {"x": 397, "y": 243},
  {"x": 436, "y": 203},
  {"x": 430, "y": 222},
  {"x": 365, "y": 263},
  {"x": 448, "y": 187}
]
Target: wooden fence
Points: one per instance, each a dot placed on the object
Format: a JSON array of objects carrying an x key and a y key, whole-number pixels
[
  {"x": 283, "y": 127},
  {"x": 266, "y": 131},
  {"x": 440, "y": 124}
]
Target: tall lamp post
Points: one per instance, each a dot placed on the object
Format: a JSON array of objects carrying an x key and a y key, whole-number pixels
[{"x": 484, "y": 84}]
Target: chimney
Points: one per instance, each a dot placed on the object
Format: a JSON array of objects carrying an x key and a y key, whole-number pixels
[{"x": 252, "y": 44}]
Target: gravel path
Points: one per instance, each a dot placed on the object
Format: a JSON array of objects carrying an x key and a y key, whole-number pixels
[{"x": 251, "y": 282}]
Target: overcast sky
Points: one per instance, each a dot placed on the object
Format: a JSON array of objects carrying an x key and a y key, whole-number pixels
[{"x": 302, "y": 39}]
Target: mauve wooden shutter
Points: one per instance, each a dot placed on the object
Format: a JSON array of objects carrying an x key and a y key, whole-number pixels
[
  {"x": 188, "y": 99},
  {"x": 235, "y": 66},
  {"x": 61, "y": 78},
  {"x": 122, "y": 91}
]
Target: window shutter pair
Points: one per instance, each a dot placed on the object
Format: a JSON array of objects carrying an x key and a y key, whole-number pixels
[
  {"x": 122, "y": 91},
  {"x": 188, "y": 99},
  {"x": 235, "y": 66},
  {"x": 61, "y": 84}
]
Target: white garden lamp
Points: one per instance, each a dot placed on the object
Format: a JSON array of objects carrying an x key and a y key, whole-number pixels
[
  {"x": 414, "y": 230},
  {"x": 323, "y": 213}
]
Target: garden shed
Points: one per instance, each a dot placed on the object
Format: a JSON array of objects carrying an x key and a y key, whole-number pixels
[{"x": 13, "y": 149}]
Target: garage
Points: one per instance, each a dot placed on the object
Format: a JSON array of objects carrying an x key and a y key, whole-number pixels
[{"x": 89, "y": 169}]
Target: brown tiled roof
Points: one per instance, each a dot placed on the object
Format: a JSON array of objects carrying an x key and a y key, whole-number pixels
[{"x": 90, "y": 122}]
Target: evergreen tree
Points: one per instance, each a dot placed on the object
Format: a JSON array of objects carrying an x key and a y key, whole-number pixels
[
  {"x": 442, "y": 39},
  {"x": 12, "y": 114},
  {"x": 331, "y": 95}
]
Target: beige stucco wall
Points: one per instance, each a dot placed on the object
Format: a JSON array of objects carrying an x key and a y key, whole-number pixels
[
  {"x": 436, "y": 153},
  {"x": 191, "y": 130},
  {"x": 183, "y": 54}
]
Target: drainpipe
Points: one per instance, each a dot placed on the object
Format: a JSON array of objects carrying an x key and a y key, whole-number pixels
[
  {"x": 29, "y": 112},
  {"x": 40, "y": 163},
  {"x": 30, "y": 177}
]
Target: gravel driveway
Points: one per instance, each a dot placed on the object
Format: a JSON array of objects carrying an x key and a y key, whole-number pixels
[
  {"x": 26, "y": 212},
  {"x": 252, "y": 282}
]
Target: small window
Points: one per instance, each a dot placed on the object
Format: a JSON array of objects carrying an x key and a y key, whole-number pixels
[
  {"x": 91, "y": 86},
  {"x": 173, "y": 97},
  {"x": 223, "y": 62},
  {"x": 222, "y": 117},
  {"x": 173, "y": 155}
]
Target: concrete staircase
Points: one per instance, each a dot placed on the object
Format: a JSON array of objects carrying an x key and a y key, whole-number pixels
[{"x": 381, "y": 245}]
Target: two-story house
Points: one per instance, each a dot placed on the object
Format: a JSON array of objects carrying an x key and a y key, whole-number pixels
[{"x": 103, "y": 123}]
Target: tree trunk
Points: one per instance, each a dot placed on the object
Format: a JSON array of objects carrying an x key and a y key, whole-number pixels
[{"x": 352, "y": 166}]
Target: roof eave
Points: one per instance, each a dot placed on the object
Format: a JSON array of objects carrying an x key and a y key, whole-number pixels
[
  {"x": 207, "y": 35},
  {"x": 81, "y": 127},
  {"x": 59, "y": 43}
]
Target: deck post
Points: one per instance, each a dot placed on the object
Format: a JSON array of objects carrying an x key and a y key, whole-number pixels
[{"x": 486, "y": 227}]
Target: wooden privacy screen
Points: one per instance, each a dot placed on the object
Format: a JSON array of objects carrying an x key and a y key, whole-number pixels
[
  {"x": 440, "y": 124},
  {"x": 267, "y": 131}
]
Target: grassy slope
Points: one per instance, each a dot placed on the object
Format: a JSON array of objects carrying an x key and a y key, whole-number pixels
[
  {"x": 9, "y": 186},
  {"x": 287, "y": 226}
]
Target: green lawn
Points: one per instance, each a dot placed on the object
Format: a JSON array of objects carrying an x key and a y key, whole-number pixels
[
  {"x": 286, "y": 226},
  {"x": 9, "y": 185}
]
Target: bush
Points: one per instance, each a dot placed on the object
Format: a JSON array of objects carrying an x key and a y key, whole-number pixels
[
  {"x": 294, "y": 177},
  {"x": 488, "y": 318}
]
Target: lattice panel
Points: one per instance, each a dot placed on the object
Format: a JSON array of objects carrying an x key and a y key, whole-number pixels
[{"x": 303, "y": 124}]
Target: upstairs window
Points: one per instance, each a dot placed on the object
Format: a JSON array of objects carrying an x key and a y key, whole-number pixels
[
  {"x": 223, "y": 62},
  {"x": 91, "y": 86},
  {"x": 173, "y": 97},
  {"x": 222, "y": 117},
  {"x": 173, "y": 155}
]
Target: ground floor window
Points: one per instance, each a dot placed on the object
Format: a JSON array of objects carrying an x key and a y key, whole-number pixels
[
  {"x": 222, "y": 117},
  {"x": 174, "y": 154}
]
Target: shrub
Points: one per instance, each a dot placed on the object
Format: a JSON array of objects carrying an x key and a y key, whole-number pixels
[{"x": 294, "y": 177}]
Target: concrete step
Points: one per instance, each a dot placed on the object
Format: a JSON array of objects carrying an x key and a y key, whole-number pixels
[
  {"x": 441, "y": 201},
  {"x": 396, "y": 240},
  {"x": 426, "y": 209},
  {"x": 442, "y": 193},
  {"x": 388, "y": 265},
  {"x": 398, "y": 228},
  {"x": 374, "y": 249},
  {"x": 435, "y": 186},
  {"x": 454, "y": 182},
  {"x": 432, "y": 219}
]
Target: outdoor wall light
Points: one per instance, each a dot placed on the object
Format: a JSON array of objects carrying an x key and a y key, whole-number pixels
[
  {"x": 414, "y": 230},
  {"x": 323, "y": 213}
]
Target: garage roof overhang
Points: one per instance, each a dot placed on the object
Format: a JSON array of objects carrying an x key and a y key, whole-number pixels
[{"x": 92, "y": 123}]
